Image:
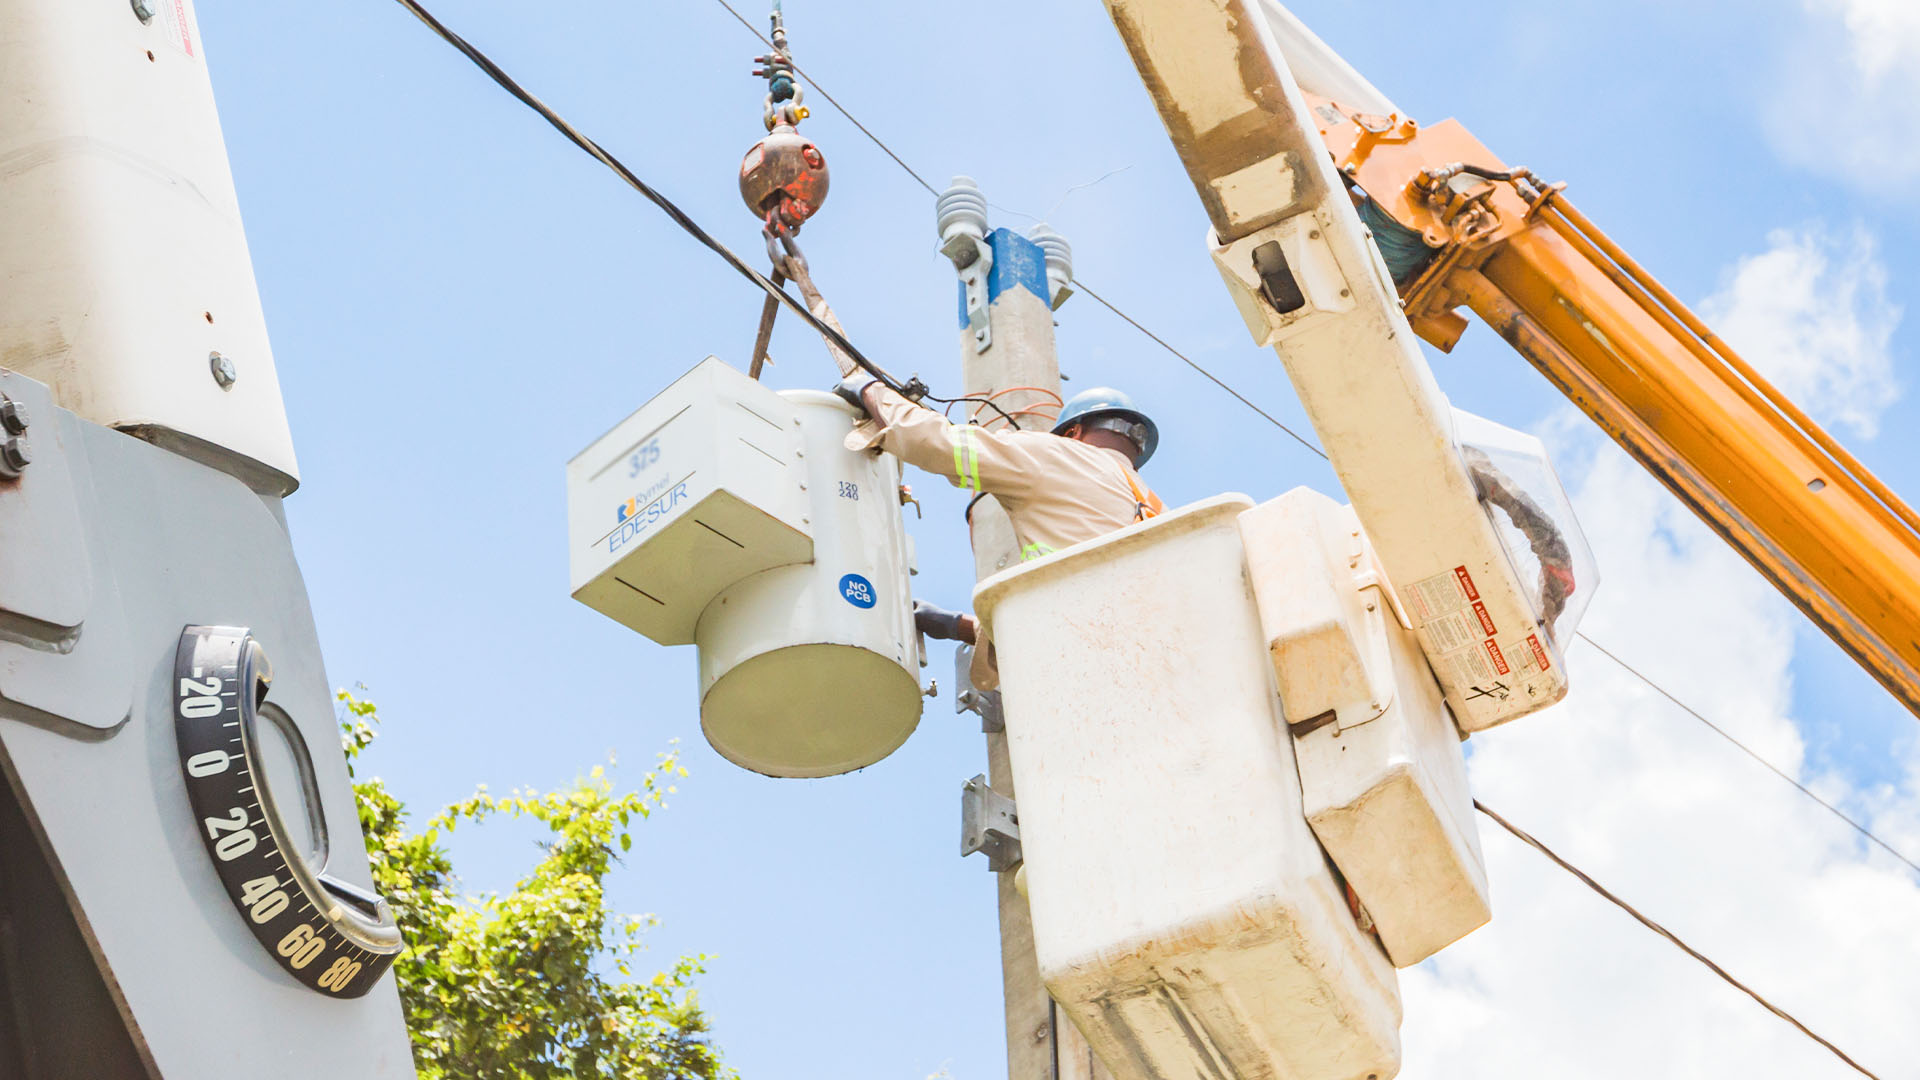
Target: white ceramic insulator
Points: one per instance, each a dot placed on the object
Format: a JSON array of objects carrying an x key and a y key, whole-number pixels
[
  {"x": 1059, "y": 257},
  {"x": 961, "y": 209}
]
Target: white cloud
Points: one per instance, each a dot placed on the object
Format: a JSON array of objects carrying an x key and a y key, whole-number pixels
[
  {"x": 1884, "y": 33},
  {"x": 1661, "y": 810},
  {"x": 1811, "y": 313},
  {"x": 1848, "y": 102}
]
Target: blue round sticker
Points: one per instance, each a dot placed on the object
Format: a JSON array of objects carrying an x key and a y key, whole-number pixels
[{"x": 857, "y": 591}]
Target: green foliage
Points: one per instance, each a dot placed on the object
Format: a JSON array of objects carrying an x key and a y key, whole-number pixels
[{"x": 538, "y": 984}]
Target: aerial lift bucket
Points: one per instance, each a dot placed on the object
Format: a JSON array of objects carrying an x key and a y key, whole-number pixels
[{"x": 1183, "y": 915}]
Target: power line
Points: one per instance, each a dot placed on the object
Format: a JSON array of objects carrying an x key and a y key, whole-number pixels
[
  {"x": 1211, "y": 377},
  {"x": 1563, "y": 864},
  {"x": 1745, "y": 749},
  {"x": 680, "y": 218}
]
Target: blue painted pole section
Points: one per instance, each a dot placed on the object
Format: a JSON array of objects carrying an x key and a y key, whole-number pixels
[{"x": 1017, "y": 263}]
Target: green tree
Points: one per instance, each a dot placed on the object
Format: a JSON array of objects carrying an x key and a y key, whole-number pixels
[{"x": 537, "y": 984}]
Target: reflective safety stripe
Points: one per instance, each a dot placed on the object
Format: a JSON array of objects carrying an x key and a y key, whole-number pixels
[
  {"x": 966, "y": 458},
  {"x": 1034, "y": 551}
]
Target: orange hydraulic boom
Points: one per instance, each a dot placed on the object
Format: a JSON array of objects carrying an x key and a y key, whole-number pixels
[{"x": 1460, "y": 229}]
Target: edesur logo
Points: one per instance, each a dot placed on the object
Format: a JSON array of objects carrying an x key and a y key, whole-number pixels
[
  {"x": 634, "y": 517},
  {"x": 631, "y": 509}
]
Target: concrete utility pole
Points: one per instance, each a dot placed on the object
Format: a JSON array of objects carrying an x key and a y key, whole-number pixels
[{"x": 1009, "y": 286}]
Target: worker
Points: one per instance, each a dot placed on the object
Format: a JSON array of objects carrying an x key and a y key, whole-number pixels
[{"x": 1061, "y": 488}]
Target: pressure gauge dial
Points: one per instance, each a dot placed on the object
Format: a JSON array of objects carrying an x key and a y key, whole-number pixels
[{"x": 333, "y": 937}]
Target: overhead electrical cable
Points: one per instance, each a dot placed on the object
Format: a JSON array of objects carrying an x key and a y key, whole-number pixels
[
  {"x": 1531, "y": 841},
  {"x": 1744, "y": 748},
  {"x": 680, "y": 218},
  {"x": 1210, "y": 376}
]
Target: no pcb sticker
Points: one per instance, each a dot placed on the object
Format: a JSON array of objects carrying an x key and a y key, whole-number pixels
[{"x": 857, "y": 591}]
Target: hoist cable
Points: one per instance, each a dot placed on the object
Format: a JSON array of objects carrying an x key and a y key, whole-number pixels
[
  {"x": 678, "y": 216},
  {"x": 1747, "y": 750},
  {"x": 798, "y": 70},
  {"x": 1531, "y": 841},
  {"x": 1297, "y": 437},
  {"x": 1083, "y": 287}
]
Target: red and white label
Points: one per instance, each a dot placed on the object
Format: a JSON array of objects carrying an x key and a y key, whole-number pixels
[
  {"x": 1466, "y": 584},
  {"x": 1539, "y": 654},
  {"x": 1436, "y": 596},
  {"x": 1450, "y": 632},
  {"x": 179, "y": 25},
  {"x": 1498, "y": 659},
  {"x": 1486, "y": 620}
]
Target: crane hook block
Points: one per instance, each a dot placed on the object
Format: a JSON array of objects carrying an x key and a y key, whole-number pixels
[{"x": 784, "y": 176}]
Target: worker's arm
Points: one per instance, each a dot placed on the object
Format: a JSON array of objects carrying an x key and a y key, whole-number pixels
[
  {"x": 943, "y": 625},
  {"x": 970, "y": 456}
]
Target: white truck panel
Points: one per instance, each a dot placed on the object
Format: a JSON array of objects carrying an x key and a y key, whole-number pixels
[{"x": 125, "y": 265}]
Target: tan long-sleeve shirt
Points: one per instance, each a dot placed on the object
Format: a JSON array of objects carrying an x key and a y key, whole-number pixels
[{"x": 1058, "y": 492}]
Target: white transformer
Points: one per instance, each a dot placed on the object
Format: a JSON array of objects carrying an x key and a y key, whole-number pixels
[
  {"x": 129, "y": 290},
  {"x": 726, "y": 515}
]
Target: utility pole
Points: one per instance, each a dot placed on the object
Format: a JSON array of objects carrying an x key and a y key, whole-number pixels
[{"x": 1009, "y": 287}]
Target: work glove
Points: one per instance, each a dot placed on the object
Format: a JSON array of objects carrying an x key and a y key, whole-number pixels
[
  {"x": 943, "y": 625},
  {"x": 852, "y": 387}
]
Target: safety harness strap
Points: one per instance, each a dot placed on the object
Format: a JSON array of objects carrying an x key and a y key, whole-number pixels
[{"x": 1146, "y": 504}]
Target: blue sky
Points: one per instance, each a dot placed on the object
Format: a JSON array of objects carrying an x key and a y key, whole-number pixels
[{"x": 459, "y": 302}]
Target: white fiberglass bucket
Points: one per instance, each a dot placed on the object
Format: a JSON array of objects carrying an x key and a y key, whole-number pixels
[{"x": 1183, "y": 914}]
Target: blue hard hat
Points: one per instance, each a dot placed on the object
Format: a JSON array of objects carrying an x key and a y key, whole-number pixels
[{"x": 1102, "y": 402}]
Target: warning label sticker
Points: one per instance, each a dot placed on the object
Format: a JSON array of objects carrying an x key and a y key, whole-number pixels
[
  {"x": 179, "y": 26},
  {"x": 1442, "y": 593},
  {"x": 1526, "y": 663},
  {"x": 1450, "y": 632},
  {"x": 1486, "y": 620},
  {"x": 1498, "y": 658},
  {"x": 1539, "y": 654},
  {"x": 1469, "y": 666}
]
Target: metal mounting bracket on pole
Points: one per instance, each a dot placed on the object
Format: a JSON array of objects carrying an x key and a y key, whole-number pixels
[
  {"x": 988, "y": 823},
  {"x": 972, "y": 259},
  {"x": 966, "y": 699},
  {"x": 961, "y": 218}
]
